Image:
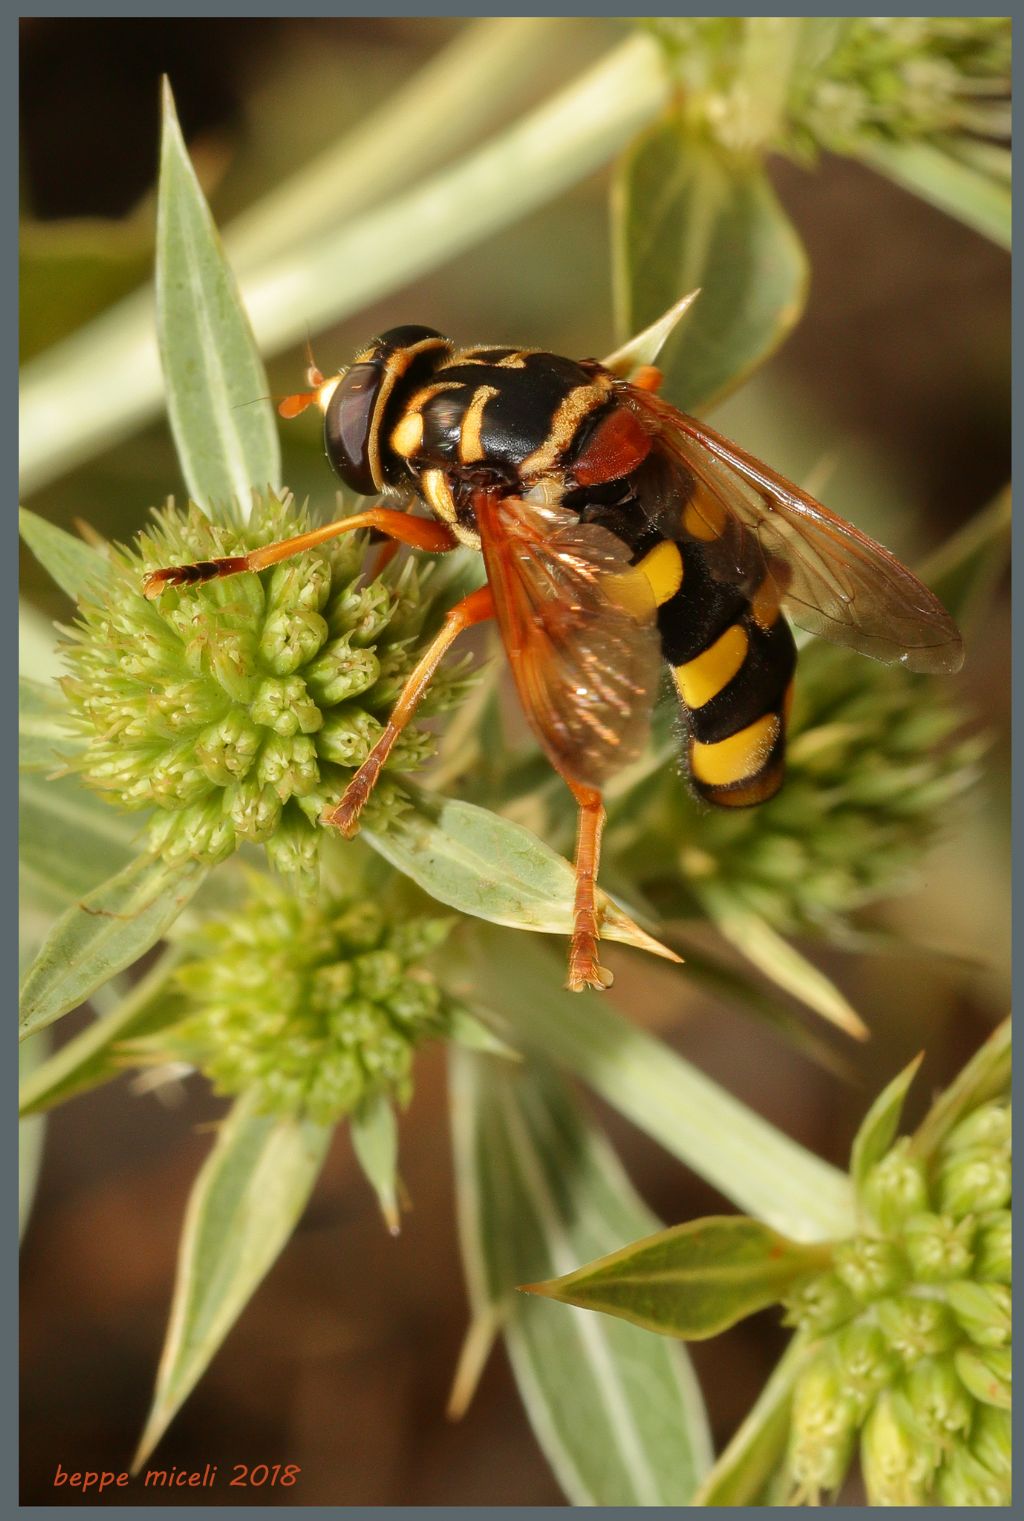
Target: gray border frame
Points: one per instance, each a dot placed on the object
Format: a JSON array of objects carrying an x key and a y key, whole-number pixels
[{"x": 9, "y": 108}]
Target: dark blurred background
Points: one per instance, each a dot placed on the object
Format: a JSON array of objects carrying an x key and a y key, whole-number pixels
[{"x": 897, "y": 377}]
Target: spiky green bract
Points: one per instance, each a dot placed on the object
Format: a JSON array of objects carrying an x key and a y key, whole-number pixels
[
  {"x": 913, "y": 1334},
  {"x": 238, "y": 710},
  {"x": 873, "y": 762},
  {"x": 313, "y": 1007}
]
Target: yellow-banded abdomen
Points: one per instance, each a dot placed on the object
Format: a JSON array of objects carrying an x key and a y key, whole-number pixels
[{"x": 730, "y": 651}]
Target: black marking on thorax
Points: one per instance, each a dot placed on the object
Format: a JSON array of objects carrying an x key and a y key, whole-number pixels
[{"x": 514, "y": 420}]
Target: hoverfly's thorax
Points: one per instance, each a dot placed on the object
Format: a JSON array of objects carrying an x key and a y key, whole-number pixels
[{"x": 505, "y": 416}]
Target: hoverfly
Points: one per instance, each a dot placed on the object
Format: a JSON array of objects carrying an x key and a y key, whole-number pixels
[{"x": 617, "y": 534}]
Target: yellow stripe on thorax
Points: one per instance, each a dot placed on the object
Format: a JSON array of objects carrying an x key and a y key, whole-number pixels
[
  {"x": 570, "y": 412},
  {"x": 739, "y": 756},
  {"x": 704, "y": 677},
  {"x": 471, "y": 448},
  {"x": 407, "y": 435},
  {"x": 663, "y": 568}
]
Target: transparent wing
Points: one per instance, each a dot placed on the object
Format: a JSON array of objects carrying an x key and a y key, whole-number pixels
[
  {"x": 756, "y": 526},
  {"x": 579, "y": 626}
]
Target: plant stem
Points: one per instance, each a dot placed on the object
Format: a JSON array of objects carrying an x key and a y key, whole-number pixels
[
  {"x": 98, "y": 385},
  {"x": 417, "y": 127}
]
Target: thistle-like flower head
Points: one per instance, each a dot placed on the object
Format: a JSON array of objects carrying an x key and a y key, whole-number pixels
[
  {"x": 237, "y": 711},
  {"x": 911, "y": 1330},
  {"x": 313, "y": 1006}
]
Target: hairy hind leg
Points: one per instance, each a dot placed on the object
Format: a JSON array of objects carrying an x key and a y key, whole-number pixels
[{"x": 421, "y": 533}]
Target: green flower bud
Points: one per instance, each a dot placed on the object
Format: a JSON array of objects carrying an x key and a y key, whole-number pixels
[
  {"x": 987, "y": 1372},
  {"x": 869, "y": 1268},
  {"x": 290, "y": 639},
  {"x": 938, "y": 1400},
  {"x": 820, "y": 1303},
  {"x": 284, "y": 705},
  {"x": 897, "y": 1460},
  {"x": 895, "y": 1188},
  {"x": 938, "y": 1248},
  {"x": 340, "y": 672},
  {"x": 301, "y": 585},
  {"x": 964, "y": 1480},
  {"x": 822, "y": 1431},
  {"x": 288, "y": 765},
  {"x": 347, "y": 738},
  {"x": 362, "y": 613},
  {"x": 916, "y": 1328},
  {"x": 864, "y": 1363},
  {"x": 991, "y": 1442},
  {"x": 226, "y": 749},
  {"x": 988, "y": 1127},
  {"x": 215, "y": 704},
  {"x": 292, "y": 849},
  {"x": 983, "y": 1311},
  {"x": 313, "y": 1007},
  {"x": 254, "y": 810},
  {"x": 993, "y": 1248},
  {"x": 974, "y": 1181}
]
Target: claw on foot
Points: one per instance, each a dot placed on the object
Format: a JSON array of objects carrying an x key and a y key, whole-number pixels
[
  {"x": 344, "y": 817},
  {"x": 191, "y": 575},
  {"x": 585, "y": 969}
]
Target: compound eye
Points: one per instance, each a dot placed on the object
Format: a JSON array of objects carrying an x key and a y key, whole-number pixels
[{"x": 350, "y": 427}]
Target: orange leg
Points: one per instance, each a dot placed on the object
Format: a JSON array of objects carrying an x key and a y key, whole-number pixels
[
  {"x": 475, "y": 608},
  {"x": 422, "y": 533},
  {"x": 585, "y": 969}
]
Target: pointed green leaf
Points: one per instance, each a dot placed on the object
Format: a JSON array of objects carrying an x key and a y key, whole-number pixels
[
  {"x": 691, "y": 1281},
  {"x": 743, "y": 1472},
  {"x": 777, "y": 959},
  {"x": 375, "y": 1143},
  {"x": 221, "y": 418},
  {"x": 754, "y": 1164},
  {"x": 469, "y": 1032},
  {"x": 879, "y": 1126},
  {"x": 244, "y": 1206},
  {"x": 485, "y": 865},
  {"x": 986, "y": 1076},
  {"x": 93, "y": 1057},
  {"x": 644, "y": 348},
  {"x": 75, "y": 565},
  {"x": 53, "y": 811},
  {"x": 618, "y": 1413},
  {"x": 964, "y": 571},
  {"x": 688, "y": 214},
  {"x": 44, "y": 740},
  {"x": 104, "y": 932},
  {"x": 104, "y": 380},
  {"x": 981, "y": 200}
]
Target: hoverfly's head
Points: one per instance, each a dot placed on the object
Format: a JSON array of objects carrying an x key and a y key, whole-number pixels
[{"x": 356, "y": 401}]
